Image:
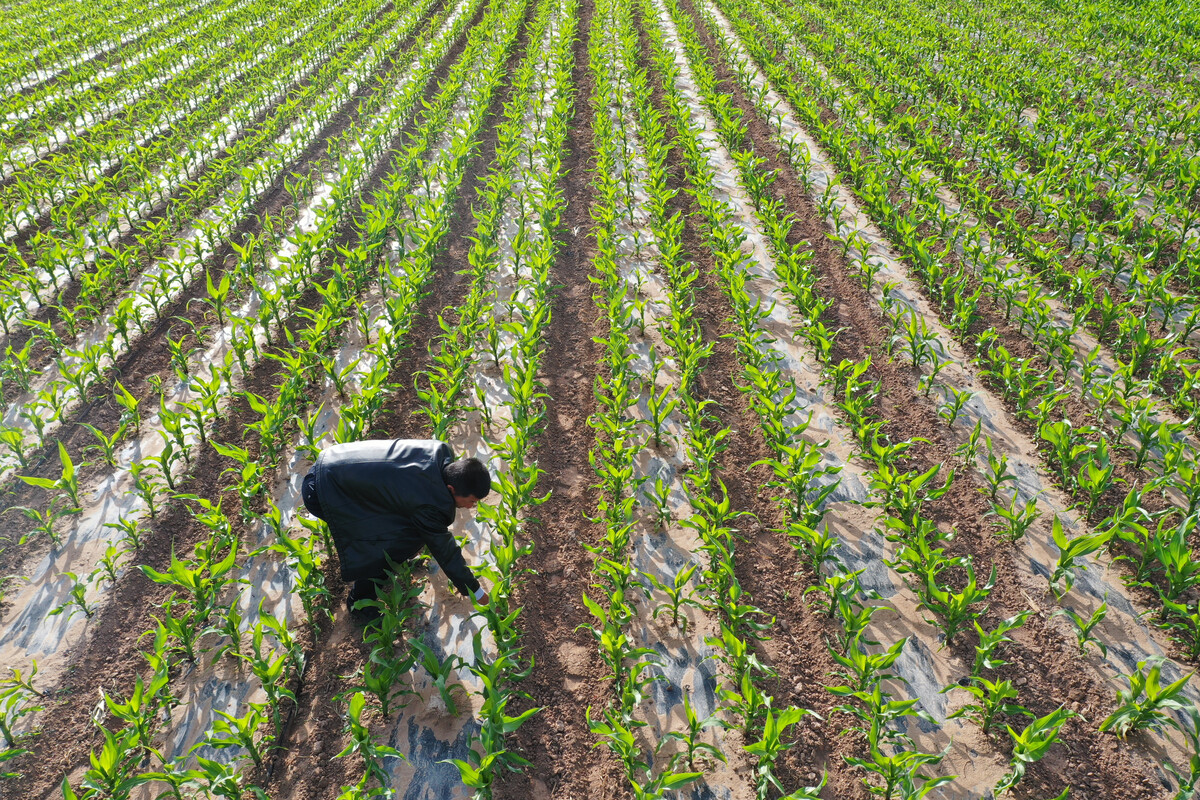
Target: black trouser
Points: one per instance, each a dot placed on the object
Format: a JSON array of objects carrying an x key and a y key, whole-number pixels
[{"x": 364, "y": 588}]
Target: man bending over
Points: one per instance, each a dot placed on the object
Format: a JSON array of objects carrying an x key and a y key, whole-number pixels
[{"x": 390, "y": 499}]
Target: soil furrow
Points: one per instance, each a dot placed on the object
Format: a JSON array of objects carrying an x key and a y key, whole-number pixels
[{"x": 567, "y": 676}]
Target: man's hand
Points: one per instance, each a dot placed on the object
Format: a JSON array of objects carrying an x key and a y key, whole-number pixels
[{"x": 482, "y": 597}]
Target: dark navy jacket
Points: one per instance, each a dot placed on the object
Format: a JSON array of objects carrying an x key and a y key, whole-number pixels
[{"x": 389, "y": 497}]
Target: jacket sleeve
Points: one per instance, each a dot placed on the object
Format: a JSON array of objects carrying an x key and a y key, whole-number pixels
[{"x": 443, "y": 547}]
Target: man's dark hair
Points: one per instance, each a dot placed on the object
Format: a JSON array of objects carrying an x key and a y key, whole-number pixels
[{"x": 468, "y": 476}]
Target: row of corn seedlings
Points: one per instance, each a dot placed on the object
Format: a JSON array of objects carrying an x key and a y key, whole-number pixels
[
  {"x": 167, "y": 439},
  {"x": 72, "y": 41},
  {"x": 942, "y": 602},
  {"x": 84, "y": 72},
  {"x": 1159, "y": 540},
  {"x": 82, "y": 245},
  {"x": 181, "y": 425},
  {"x": 71, "y": 184},
  {"x": 365, "y": 378},
  {"x": 803, "y": 474},
  {"x": 763, "y": 727},
  {"x": 275, "y": 672},
  {"x": 1065, "y": 564},
  {"x": 519, "y": 248},
  {"x": 663, "y": 704},
  {"x": 47, "y": 138},
  {"x": 47, "y": 399},
  {"x": 1057, "y": 330},
  {"x": 1132, "y": 181},
  {"x": 95, "y": 246}
]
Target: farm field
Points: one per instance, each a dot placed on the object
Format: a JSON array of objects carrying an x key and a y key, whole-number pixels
[{"x": 837, "y": 363}]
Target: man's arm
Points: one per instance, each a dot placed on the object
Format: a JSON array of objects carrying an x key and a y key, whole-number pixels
[{"x": 444, "y": 548}]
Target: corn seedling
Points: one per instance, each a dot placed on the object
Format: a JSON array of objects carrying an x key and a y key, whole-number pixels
[
  {"x": 1146, "y": 703},
  {"x": 111, "y": 773},
  {"x": 677, "y": 595},
  {"x": 899, "y": 774},
  {"x": 1031, "y": 744},
  {"x": 13, "y": 440},
  {"x": 46, "y": 519},
  {"x": 270, "y": 671},
  {"x": 863, "y": 670},
  {"x": 1069, "y": 553},
  {"x": 139, "y": 711},
  {"x": 768, "y": 748},
  {"x": 991, "y": 699},
  {"x": 954, "y": 403},
  {"x": 1015, "y": 518},
  {"x": 235, "y": 731},
  {"x": 969, "y": 449},
  {"x": 76, "y": 598},
  {"x": 997, "y": 473},
  {"x": 989, "y": 642},
  {"x": 225, "y": 780},
  {"x": 877, "y": 708},
  {"x": 14, "y": 706},
  {"x": 146, "y": 486},
  {"x": 108, "y": 567},
  {"x": 690, "y": 739},
  {"x": 1183, "y": 623},
  {"x": 1083, "y": 627},
  {"x": 106, "y": 446},
  {"x": 441, "y": 672},
  {"x": 67, "y": 484}
]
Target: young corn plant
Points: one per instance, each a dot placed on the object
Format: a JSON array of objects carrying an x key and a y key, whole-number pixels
[
  {"x": 46, "y": 520},
  {"x": 955, "y": 401},
  {"x": 1069, "y": 447},
  {"x": 1031, "y": 744},
  {"x": 898, "y": 774},
  {"x": 1146, "y": 704},
  {"x": 1096, "y": 476},
  {"x": 620, "y": 739},
  {"x": 14, "y": 706},
  {"x": 1183, "y": 624},
  {"x": 953, "y": 610},
  {"x": 677, "y": 595},
  {"x": 235, "y": 731},
  {"x": 768, "y": 748},
  {"x": 140, "y": 710},
  {"x": 1015, "y": 518},
  {"x": 861, "y": 669},
  {"x": 108, "y": 567},
  {"x": 106, "y": 446},
  {"x": 67, "y": 484},
  {"x": 991, "y": 699},
  {"x": 660, "y": 410},
  {"x": 692, "y": 745},
  {"x": 76, "y": 598},
  {"x": 989, "y": 642},
  {"x": 304, "y": 556},
  {"x": 112, "y": 770},
  {"x": 441, "y": 672},
  {"x": 997, "y": 473},
  {"x": 1083, "y": 627},
  {"x": 969, "y": 449},
  {"x": 1189, "y": 784},
  {"x": 1070, "y": 551},
  {"x": 13, "y": 440}
]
